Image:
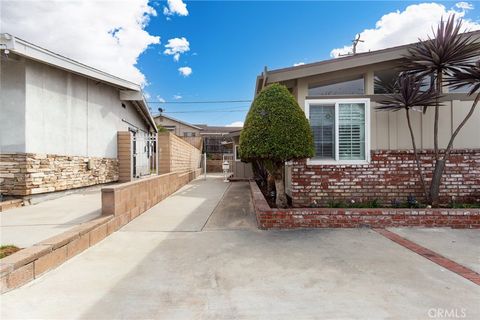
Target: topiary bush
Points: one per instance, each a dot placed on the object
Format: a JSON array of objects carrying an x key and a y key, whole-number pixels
[{"x": 275, "y": 131}]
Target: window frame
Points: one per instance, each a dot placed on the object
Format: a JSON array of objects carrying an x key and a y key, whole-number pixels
[
  {"x": 235, "y": 151},
  {"x": 337, "y": 161}
]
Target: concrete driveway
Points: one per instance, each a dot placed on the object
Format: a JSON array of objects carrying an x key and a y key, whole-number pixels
[{"x": 200, "y": 257}]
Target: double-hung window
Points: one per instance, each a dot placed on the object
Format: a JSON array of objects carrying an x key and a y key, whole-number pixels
[{"x": 340, "y": 130}]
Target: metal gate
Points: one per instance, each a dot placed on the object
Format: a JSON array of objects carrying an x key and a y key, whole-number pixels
[
  {"x": 144, "y": 157},
  {"x": 229, "y": 157}
]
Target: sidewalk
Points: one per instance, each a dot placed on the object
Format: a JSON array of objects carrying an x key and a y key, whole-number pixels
[{"x": 28, "y": 225}]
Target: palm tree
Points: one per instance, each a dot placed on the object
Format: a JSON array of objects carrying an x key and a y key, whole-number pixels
[
  {"x": 467, "y": 76},
  {"x": 449, "y": 53},
  {"x": 406, "y": 93}
]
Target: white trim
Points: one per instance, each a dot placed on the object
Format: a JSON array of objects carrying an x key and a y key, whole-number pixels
[
  {"x": 34, "y": 52},
  {"x": 235, "y": 153},
  {"x": 366, "y": 101}
]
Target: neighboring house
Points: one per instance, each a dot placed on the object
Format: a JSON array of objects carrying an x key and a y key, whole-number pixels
[
  {"x": 240, "y": 170},
  {"x": 60, "y": 120},
  {"x": 215, "y": 140},
  {"x": 362, "y": 154},
  {"x": 178, "y": 127}
]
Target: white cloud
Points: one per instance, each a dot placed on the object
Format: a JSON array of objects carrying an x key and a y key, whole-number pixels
[
  {"x": 160, "y": 99},
  {"x": 298, "y": 64},
  {"x": 177, "y": 46},
  {"x": 464, "y": 5},
  {"x": 175, "y": 7},
  {"x": 107, "y": 35},
  {"x": 185, "y": 71},
  {"x": 235, "y": 124},
  {"x": 177, "y": 97},
  {"x": 403, "y": 27}
]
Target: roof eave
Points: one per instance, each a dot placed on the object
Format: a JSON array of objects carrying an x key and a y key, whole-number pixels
[{"x": 33, "y": 52}]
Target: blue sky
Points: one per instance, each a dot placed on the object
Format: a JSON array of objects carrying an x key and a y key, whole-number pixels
[{"x": 231, "y": 42}]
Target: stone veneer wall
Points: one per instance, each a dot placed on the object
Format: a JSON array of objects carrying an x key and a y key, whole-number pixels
[
  {"x": 24, "y": 174},
  {"x": 389, "y": 175}
]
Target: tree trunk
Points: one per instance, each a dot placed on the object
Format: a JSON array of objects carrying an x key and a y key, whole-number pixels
[
  {"x": 281, "y": 200},
  {"x": 270, "y": 183},
  {"x": 440, "y": 163},
  {"x": 439, "y": 86},
  {"x": 436, "y": 180},
  {"x": 417, "y": 158}
]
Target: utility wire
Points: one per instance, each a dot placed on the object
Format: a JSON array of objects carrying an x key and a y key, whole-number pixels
[
  {"x": 191, "y": 102},
  {"x": 206, "y": 111}
]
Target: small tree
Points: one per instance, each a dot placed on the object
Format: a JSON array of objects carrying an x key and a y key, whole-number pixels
[
  {"x": 447, "y": 58},
  {"x": 448, "y": 54},
  {"x": 276, "y": 131}
]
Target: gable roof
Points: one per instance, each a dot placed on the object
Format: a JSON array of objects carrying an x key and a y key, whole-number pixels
[
  {"x": 336, "y": 64},
  {"x": 129, "y": 91},
  {"x": 179, "y": 121}
]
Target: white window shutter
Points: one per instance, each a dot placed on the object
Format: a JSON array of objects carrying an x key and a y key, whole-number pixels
[{"x": 351, "y": 131}]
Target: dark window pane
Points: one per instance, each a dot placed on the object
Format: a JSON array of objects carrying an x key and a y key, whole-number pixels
[{"x": 355, "y": 86}]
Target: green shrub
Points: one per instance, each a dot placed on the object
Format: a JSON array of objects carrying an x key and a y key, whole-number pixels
[{"x": 275, "y": 131}]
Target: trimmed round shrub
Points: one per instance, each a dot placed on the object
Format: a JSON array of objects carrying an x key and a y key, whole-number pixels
[{"x": 276, "y": 128}]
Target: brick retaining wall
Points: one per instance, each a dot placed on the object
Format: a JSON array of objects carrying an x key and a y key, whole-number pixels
[
  {"x": 176, "y": 154},
  {"x": 24, "y": 174},
  {"x": 390, "y": 175},
  {"x": 272, "y": 218},
  {"x": 133, "y": 198}
]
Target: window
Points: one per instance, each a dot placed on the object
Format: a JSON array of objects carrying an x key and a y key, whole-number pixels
[
  {"x": 237, "y": 153},
  {"x": 189, "y": 134},
  {"x": 388, "y": 79},
  {"x": 355, "y": 86},
  {"x": 340, "y": 130}
]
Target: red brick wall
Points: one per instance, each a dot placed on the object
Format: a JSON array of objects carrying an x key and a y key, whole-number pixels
[
  {"x": 272, "y": 218},
  {"x": 389, "y": 175}
]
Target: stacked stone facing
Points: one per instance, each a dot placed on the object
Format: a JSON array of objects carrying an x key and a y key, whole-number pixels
[{"x": 24, "y": 174}]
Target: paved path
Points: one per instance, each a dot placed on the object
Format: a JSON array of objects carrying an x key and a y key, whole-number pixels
[
  {"x": 28, "y": 225},
  {"x": 195, "y": 256}
]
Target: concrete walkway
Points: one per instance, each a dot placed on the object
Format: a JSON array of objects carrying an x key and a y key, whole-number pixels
[
  {"x": 196, "y": 255},
  {"x": 28, "y": 225}
]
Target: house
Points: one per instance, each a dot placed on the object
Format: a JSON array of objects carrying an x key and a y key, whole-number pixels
[
  {"x": 66, "y": 125},
  {"x": 240, "y": 170},
  {"x": 216, "y": 142},
  {"x": 178, "y": 127},
  {"x": 362, "y": 154}
]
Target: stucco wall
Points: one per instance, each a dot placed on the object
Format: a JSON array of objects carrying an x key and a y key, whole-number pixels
[
  {"x": 180, "y": 128},
  {"x": 67, "y": 114},
  {"x": 12, "y": 106}
]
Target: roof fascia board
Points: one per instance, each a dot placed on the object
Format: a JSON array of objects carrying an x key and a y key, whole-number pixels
[{"x": 334, "y": 65}]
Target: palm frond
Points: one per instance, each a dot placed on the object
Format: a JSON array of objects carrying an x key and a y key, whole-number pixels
[
  {"x": 448, "y": 51},
  {"x": 466, "y": 77},
  {"x": 407, "y": 93}
]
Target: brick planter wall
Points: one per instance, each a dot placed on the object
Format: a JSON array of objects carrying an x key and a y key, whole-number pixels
[
  {"x": 389, "y": 175},
  {"x": 24, "y": 174},
  {"x": 272, "y": 218}
]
